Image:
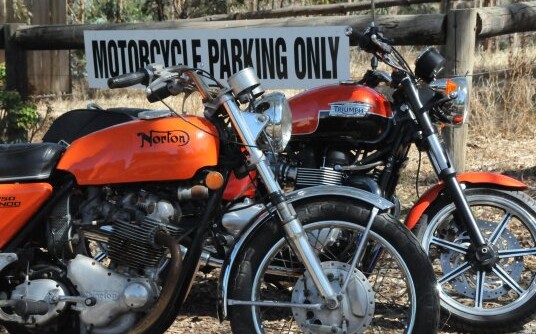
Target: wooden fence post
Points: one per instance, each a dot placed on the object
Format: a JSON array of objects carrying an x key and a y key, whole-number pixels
[
  {"x": 460, "y": 52},
  {"x": 16, "y": 63}
]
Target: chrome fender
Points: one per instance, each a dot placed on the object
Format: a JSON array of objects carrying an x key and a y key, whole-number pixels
[{"x": 358, "y": 195}]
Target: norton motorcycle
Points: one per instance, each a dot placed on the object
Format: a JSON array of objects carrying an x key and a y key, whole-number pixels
[
  {"x": 102, "y": 228},
  {"x": 478, "y": 229}
]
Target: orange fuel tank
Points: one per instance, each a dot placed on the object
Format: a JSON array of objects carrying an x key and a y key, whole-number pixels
[
  {"x": 18, "y": 202},
  {"x": 143, "y": 151}
]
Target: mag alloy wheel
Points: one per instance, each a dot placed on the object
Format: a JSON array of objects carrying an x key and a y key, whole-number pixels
[{"x": 502, "y": 294}]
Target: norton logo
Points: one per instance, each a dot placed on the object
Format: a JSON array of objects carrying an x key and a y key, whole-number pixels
[
  {"x": 176, "y": 137},
  {"x": 349, "y": 109},
  {"x": 9, "y": 202}
]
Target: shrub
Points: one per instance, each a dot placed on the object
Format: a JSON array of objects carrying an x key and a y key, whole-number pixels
[{"x": 17, "y": 118}]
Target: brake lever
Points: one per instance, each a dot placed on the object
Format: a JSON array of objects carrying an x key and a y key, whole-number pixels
[{"x": 386, "y": 48}]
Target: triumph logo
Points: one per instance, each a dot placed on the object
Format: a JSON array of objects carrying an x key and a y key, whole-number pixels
[
  {"x": 349, "y": 109},
  {"x": 176, "y": 137}
]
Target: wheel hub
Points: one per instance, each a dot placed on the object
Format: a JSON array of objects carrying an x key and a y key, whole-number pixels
[
  {"x": 483, "y": 262},
  {"x": 494, "y": 287},
  {"x": 356, "y": 308}
]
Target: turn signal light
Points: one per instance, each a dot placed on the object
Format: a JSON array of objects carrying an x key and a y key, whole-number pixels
[
  {"x": 451, "y": 86},
  {"x": 214, "y": 180},
  {"x": 457, "y": 119}
]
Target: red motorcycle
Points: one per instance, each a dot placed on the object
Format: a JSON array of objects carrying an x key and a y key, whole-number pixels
[
  {"x": 478, "y": 229},
  {"x": 102, "y": 227}
]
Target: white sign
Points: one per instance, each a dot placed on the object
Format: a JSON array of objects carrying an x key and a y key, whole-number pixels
[{"x": 282, "y": 57}]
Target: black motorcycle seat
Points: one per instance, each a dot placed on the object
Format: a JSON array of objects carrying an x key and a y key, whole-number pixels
[
  {"x": 27, "y": 161},
  {"x": 77, "y": 123}
]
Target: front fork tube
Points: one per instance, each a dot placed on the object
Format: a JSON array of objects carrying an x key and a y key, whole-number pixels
[
  {"x": 443, "y": 167},
  {"x": 291, "y": 224},
  {"x": 445, "y": 171}
]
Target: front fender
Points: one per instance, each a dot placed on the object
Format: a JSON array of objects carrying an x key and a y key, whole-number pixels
[
  {"x": 472, "y": 179},
  {"x": 264, "y": 216}
]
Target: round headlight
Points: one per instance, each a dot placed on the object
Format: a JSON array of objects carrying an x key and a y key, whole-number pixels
[
  {"x": 457, "y": 88},
  {"x": 429, "y": 63},
  {"x": 279, "y": 129}
]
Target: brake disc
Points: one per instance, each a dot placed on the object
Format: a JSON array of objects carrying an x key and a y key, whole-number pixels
[
  {"x": 493, "y": 286},
  {"x": 356, "y": 309}
]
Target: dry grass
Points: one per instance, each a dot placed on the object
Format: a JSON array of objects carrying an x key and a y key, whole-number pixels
[{"x": 502, "y": 103}]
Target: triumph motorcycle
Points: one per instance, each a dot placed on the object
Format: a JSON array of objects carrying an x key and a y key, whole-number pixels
[
  {"x": 478, "y": 229},
  {"x": 103, "y": 225}
]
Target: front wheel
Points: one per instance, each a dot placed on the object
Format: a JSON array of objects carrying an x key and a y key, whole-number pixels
[
  {"x": 498, "y": 297},
  {"x": 391, "y": 290}
]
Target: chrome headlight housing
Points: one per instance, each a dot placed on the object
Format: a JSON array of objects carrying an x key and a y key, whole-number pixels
[
  {"x": 454, "y": 111},
  {"x": 275, "y": 108}
]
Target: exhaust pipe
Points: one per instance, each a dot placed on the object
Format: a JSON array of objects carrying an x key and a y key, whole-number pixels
[{"x": 170, "y": 285}]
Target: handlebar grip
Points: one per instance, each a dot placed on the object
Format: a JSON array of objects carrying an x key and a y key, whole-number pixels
[
  {"x": 365, "y": 42},
  {"x": 128, "y": 79},
  {"x": 371, "y": 40}
]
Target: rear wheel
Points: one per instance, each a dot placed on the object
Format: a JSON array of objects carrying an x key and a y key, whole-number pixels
[
  {"x": 393, "y": 288},
  {"x": 500, "y": 297}
]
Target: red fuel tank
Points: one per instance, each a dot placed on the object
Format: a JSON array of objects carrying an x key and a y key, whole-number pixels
[
  {"x": 143, "y": 151},
  {"x": 340, "y": 110}
]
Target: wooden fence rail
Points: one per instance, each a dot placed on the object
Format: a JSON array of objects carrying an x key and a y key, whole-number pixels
[
  {"x": 422, "y": 29},
  {"x": 339, "y": 8},
  {"x": 458, "y": 29}
]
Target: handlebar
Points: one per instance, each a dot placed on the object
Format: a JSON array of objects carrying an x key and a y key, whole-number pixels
[
  {"x": 371, "y": 40},
  {"x": 129, "y": 79},
  {"x": 165, "y": 83}
]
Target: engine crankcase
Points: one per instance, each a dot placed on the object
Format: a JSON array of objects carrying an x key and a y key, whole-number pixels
[
  {"x": 115, "y": 294},
  {"x": 37, "y": 290}
]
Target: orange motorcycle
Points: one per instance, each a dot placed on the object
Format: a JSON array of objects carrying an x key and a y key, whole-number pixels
[{"x": 103, "y": 228}]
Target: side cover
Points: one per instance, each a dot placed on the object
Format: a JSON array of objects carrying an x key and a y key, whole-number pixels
[
  {"x": 143, "y": 151},
  {"x": 18, "y": 203}
]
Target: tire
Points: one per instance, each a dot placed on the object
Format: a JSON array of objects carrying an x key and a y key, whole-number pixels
[
  {"x": 345, "y": 218},
  {"x": 501, "y": 307}
]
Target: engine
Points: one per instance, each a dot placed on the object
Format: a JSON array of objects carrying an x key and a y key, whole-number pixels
[
  {"x": 132, "y": 242},
  {"x": 310, "y": 165},
  {"x": 112, "y": 262}
]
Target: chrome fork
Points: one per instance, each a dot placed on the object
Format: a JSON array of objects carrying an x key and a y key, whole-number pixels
[{"x": 291, "y": 224}]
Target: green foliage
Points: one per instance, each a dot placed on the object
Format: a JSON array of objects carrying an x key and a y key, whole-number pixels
[
  {"x": 106, "y": 11},
  {"x": 198, "y": 8},
  {"x": 21, "y": 12},
  {"x": 17, "y": 118}
]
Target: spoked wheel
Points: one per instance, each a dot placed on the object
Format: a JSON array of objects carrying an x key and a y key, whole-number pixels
[
  {"x": 391, "y": 291},
  {"x": 496, "y": 297}
]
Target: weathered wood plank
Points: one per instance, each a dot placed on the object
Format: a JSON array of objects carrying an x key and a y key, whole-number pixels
[
  {"x": 16, "y": 69},
  {"x": 48, "y": 71},
  {"x": 403, "y": 29},
  {"x": 460, "y": 53},
  {"x": 516, "y": 17},
  {"x": 339, "y": 8}
]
